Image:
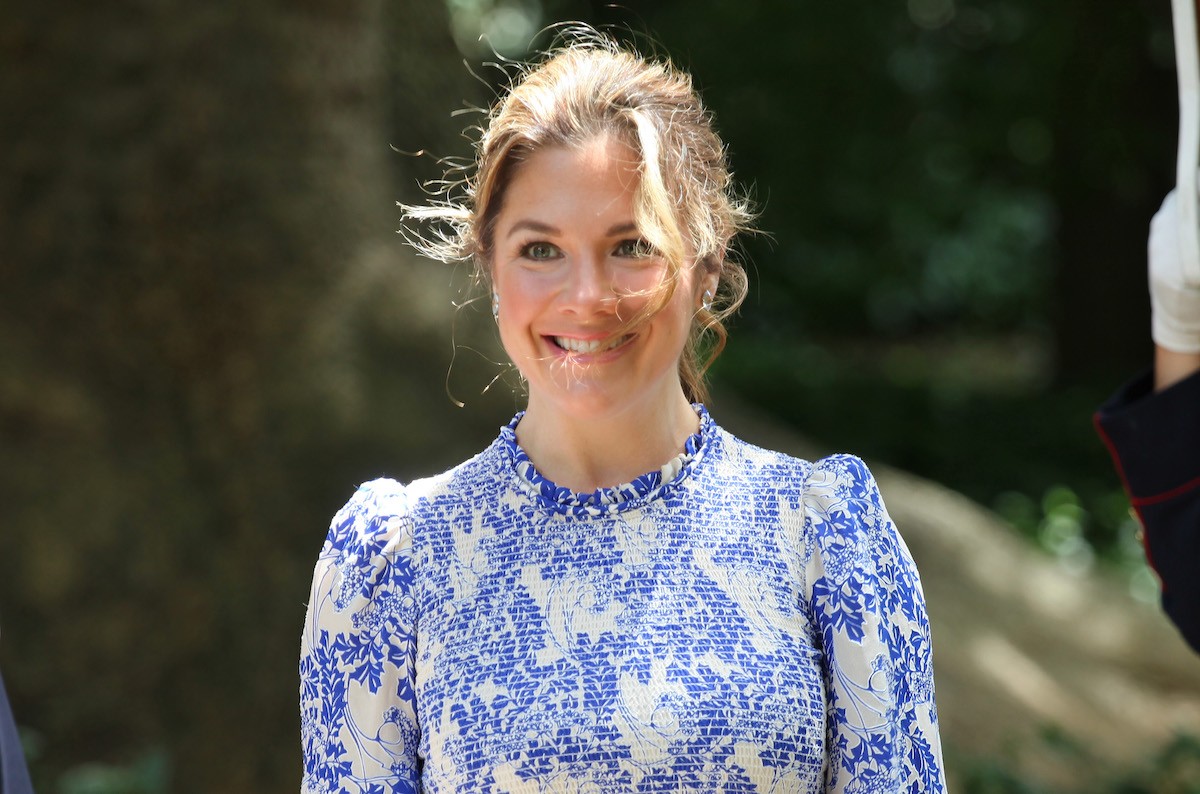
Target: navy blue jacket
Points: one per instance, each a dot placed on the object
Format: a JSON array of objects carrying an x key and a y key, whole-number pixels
[
  {"x": 14, "y": 776},
  {"x": 1154, "y": 440}
]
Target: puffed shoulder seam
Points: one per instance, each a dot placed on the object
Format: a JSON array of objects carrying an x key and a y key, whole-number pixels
[
  {"x": 389, "y": 497},
  {"x": 837, "y": 472},
  {"x": 371, "y": 512},
  {"x": 376, "y": 530},
  {"x": 841, "y": 465},
  {"x": 827, "y": 481}
]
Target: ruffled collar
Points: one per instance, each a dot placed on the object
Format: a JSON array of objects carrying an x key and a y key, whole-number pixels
[{"x": 615, "y": 499}]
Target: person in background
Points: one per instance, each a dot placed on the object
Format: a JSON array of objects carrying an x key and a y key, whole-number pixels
[
  {"x": 616, "y": 594},
  {"x": 1152, "y": 429},
  {"x": 14, "y": 775}
]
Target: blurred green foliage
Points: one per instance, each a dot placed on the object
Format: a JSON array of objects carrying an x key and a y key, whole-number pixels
[{"x": 1174, "y": 770}]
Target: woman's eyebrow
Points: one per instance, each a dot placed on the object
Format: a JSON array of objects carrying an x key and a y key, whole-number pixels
[
  {"x": 533, "y": 226},
  {"x": 528, "y": 224}
]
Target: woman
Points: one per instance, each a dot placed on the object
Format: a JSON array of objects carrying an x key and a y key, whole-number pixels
[{"x": 616, "y": 595}]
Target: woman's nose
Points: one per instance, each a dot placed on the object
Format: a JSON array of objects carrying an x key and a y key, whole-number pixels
[{"x": 589, "y": 287}]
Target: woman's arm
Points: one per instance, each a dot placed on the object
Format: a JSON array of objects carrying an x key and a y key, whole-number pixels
[
  {"x": 357, "y": 668},
  {"x": 866, "y": 603}
]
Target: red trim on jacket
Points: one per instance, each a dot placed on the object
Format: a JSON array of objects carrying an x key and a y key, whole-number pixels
[{"x": 1137, "y": 502}]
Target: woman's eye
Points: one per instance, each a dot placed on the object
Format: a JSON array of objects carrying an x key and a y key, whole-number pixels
[
  {"x": 539, "y": 251},
  {"x": 634, "y": 249}
]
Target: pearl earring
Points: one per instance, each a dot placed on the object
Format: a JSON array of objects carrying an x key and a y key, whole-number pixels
[{"x": 495, "y": 306}]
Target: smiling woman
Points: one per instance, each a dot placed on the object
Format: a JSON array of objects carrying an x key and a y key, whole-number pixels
[
  {"x": 616, "y": 595},
  {"x": 572, "y": 279}
]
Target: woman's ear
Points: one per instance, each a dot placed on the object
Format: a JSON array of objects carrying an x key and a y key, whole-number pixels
[
  {"x": 712, "y": 262},
  {"x": 710, "y": 272},
  {"x": 709, "y": 281}
]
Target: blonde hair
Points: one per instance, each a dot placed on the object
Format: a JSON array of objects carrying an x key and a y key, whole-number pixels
[{"x": 685, "y": 204}]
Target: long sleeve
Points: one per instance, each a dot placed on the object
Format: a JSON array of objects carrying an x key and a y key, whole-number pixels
[
  {"x": 357, "y": 701},
  {"x": 1154, "y": 440},
  {"x": 868, "y": 608}
]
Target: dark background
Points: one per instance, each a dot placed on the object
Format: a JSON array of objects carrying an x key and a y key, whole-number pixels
[{"x": 209, "y": 331}]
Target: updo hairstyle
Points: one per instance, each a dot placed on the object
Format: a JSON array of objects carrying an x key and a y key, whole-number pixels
[{"x": 685, "y": 205}]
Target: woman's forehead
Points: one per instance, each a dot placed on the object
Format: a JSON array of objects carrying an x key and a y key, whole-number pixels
[{"x": 597, "y": 179}]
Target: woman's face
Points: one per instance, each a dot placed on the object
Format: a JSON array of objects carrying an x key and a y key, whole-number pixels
[{"x": 569, "y": 266}]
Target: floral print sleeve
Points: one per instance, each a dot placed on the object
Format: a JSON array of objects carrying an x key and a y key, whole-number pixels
[
  {"x": 357, "y": 704},
  {"x": 869, "y": 612}
]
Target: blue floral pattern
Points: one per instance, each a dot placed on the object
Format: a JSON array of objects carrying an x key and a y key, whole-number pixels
[{"x": 739, "y": 621}]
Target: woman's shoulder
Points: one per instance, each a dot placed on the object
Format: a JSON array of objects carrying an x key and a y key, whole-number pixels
[
  {"x": 824, "y": 492},
  {"x": 840, "y": 468},
  {"x": 373, "y": 539},
  {"x": 844, "y": 508},
  {"x": 757, "y": 461},
  {"x": 841, "y": 484},
  {"x": 382, "y": 507},
  {"x": 374, "y": 516}
]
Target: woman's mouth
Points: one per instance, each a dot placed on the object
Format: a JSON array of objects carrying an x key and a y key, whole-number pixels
[{"x": 589, "y": 346}]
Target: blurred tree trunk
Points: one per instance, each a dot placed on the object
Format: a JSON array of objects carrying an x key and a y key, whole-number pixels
[{"x": 197, "y": 220}]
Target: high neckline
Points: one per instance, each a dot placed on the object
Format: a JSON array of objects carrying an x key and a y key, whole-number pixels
[{"x": 613, "y": 499}]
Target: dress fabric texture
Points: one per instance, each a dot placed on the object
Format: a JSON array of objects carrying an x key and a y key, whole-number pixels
[
  {"x": 739, "y": 621},
  {"x": 1154, "y": 439}
]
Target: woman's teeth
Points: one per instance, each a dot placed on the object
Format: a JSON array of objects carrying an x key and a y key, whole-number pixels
[{"x": 588, "y": 346}]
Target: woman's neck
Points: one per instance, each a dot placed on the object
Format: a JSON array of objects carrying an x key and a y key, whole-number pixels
[{"x": 587, "y": 453}]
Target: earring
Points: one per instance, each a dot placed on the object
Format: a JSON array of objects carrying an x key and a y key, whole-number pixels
[
  {"x": 495, "y": 306},
  {"x": 707, "y": 301}
]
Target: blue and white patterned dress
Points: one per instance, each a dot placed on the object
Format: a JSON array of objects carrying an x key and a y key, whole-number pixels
[{"x": 740, "y": 621}]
